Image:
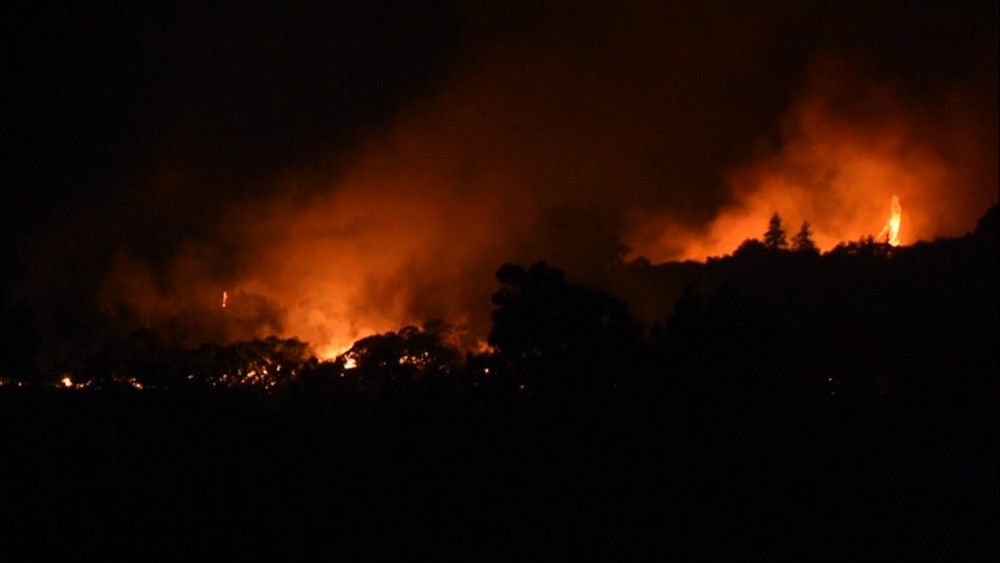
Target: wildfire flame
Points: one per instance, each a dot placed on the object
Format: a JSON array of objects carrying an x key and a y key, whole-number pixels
[
  {"x": 412, "y": 224},
  {"x": 890, "y": 232}
]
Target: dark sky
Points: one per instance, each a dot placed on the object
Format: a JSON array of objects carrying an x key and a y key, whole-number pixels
[
  {"x": 97, "y": 96},
  {"x": 199, "y": 145}
]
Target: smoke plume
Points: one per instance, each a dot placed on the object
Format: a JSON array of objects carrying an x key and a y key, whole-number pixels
[{"x": 674, "y": 128}]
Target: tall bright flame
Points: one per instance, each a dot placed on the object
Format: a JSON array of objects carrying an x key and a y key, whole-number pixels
[
  {"x": 894, "y": 221},
  {"x": 890, "y": 232}
]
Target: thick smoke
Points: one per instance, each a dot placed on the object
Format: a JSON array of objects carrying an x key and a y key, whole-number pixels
[
  {"x": 849, "y": 143},
  {"x": 675, "y": 127}
]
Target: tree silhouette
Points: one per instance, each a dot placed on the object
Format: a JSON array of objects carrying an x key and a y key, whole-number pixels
[
  {"x": 545, "y": 325},
  {"x": 865, "y": 248},
  {"x": 751, "y": 249},
  {"x": 774, "y": 238},
  {"x": 412, "y": 354},
  {"x": 802, "y": 242}
]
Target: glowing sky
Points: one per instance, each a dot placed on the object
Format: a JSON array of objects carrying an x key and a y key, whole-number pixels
[{"x": 346, "y": 169}]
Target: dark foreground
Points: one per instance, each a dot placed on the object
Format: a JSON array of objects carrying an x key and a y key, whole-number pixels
[
  {"x": 236, "y": 474},
  {"x": 791, "y": 406}
]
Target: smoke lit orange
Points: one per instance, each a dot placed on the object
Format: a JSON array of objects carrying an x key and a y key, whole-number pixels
[{"x": 413, "y": 223}]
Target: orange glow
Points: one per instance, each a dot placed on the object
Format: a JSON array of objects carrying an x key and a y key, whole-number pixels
[
  {"x": 890, "y": 233},
  {"x": 412, "y": 224},
  {"x": 66, "y": 381},
  {"x": 834, "y": 178},
  {"x": 834, "y": 167},
  {"x": 895, "y": 219},
  {"x": 331, "y": 351}
]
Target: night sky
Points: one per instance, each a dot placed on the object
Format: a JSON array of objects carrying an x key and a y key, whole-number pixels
[{"x": 349, "y": 167}]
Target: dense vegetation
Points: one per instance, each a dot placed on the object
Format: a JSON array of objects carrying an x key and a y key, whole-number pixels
[{"x": 791, "y": 405}]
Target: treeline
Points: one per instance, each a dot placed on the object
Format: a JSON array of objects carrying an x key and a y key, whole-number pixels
[{"x": 790, "y": 405}]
